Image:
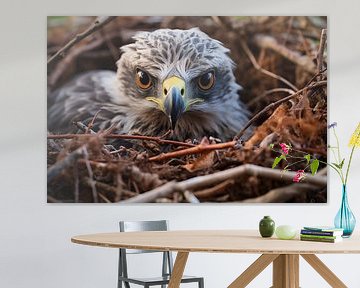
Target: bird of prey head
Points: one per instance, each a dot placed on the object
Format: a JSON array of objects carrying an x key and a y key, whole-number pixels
[{"x": 179, "y": 80}]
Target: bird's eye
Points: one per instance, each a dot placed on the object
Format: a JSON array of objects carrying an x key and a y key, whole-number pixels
[
  {"x": 142, "y": 79},
  {"x": 206, "y": 81}
]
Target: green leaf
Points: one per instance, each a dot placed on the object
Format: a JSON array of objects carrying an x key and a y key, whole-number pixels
[
  {"x": 276, "y": 162},
  {"x": 314, "y": 166},
  {"x": 336, "y": 165},
  {"x": 307, "y": 157},
  {"x": 271, "y": 146},
  {"x": 342, "y": 163}
]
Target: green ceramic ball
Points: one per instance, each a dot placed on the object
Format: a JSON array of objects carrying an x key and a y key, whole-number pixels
[{"x": 285, "y": 232}]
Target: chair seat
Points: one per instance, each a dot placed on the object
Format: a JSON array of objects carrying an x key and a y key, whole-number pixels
[{"x": 158, "y": 280}]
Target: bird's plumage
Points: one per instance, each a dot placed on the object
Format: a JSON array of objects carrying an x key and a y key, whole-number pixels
[{"x": 134, "y": 107}]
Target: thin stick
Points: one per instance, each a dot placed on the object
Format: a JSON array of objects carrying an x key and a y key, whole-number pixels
[
  {"x": 98, "y": 23},
  {"x": 207, "y": 180},
  {"x": 76, "y": 184},
  {"x": 262, "y": 70},
  {"x": 62, "y": 66},
  {"x": 320, "y": 54},
  {"x": 84, "y": 128},
  {"x": 123, "y": 136},
  {"x": 193, "y": 150},
  {"x": 275, "y": 90},
  {"x": 277, "y": 103},
  {"x": 91, "y": 175},
  {"x": 91, "y": 124}
]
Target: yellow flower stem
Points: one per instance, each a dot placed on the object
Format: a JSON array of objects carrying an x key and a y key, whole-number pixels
[
  {"x": 348, "y": 167},
  {"x": 356, "y": 138}
]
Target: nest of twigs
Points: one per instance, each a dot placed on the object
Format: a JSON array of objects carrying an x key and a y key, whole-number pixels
[{"x": 281, "y": 64}]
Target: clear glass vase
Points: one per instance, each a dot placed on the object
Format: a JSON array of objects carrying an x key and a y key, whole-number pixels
[{"x": 345, "y": 219}]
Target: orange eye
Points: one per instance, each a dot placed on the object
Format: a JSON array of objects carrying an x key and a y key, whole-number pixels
[
  {"x": 206, "y": 81},
  {"x": 142, "y": 79}
]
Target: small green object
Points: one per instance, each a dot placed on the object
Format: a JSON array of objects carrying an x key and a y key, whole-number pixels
[
  {"x": 314, "y": 166},
  {"x": 285, "y": 232},
  {"x": 266, "y": 226}
]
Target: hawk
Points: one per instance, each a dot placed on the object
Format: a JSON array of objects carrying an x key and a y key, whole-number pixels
[{"x": 178, "y": 80}]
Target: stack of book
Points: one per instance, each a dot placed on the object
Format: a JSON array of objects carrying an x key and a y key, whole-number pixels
[{"x": 321, "y": 234}]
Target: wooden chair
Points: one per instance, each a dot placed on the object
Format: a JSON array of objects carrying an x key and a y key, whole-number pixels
[{"x": 167, "y": 262}]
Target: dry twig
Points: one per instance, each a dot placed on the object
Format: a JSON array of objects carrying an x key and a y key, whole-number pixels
[
  {"x": 262, "y": 70},
  {"x": 268, "y": 92},
  {"x": 320, "y": 54},
  {"x": 158, "y": 140},
  {"x": 98, "y": 23},
  {"x": 91, "y": 175},
  {"x": 193, "y": 150}
]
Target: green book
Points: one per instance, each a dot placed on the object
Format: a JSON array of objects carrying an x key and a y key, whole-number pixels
[
  {"x": 325, "y": 240},
  {"x": 319, "y": 236},
  {"x": 323, "y": 228}
]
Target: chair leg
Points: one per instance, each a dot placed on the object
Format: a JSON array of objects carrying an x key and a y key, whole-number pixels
[{"x": 201, "y": 283}]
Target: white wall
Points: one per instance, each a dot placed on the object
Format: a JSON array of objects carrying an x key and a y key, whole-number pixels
[{"x": 35, "y": 248}]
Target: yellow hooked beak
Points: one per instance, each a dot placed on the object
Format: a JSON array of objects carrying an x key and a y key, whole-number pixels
[
  {"x": 173, "y": 95},
  {"x": 172, "y": 101}
]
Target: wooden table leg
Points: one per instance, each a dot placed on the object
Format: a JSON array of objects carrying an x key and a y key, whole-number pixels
[
  {"x": 253, "y": 270},
  {"x": 324, "y": 271},
  {"x": 178, "y": 269},
  {"x": 286, "y": 271}
]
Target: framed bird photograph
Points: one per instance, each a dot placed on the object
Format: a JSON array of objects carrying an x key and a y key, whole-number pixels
[{"x": 206, "y": 109}]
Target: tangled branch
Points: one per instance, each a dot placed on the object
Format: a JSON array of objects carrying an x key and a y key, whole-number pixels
[{"x": 98, "y": 23}]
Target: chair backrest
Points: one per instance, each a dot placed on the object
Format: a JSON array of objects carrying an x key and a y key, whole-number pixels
[{"x": 134, "y": 226}]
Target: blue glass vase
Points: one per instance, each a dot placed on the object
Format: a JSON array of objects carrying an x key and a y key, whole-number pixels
[{"x": 345, "y": 219}]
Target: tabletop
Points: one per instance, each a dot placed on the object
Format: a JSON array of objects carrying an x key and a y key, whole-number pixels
[{"x": 216, "y": 241}]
